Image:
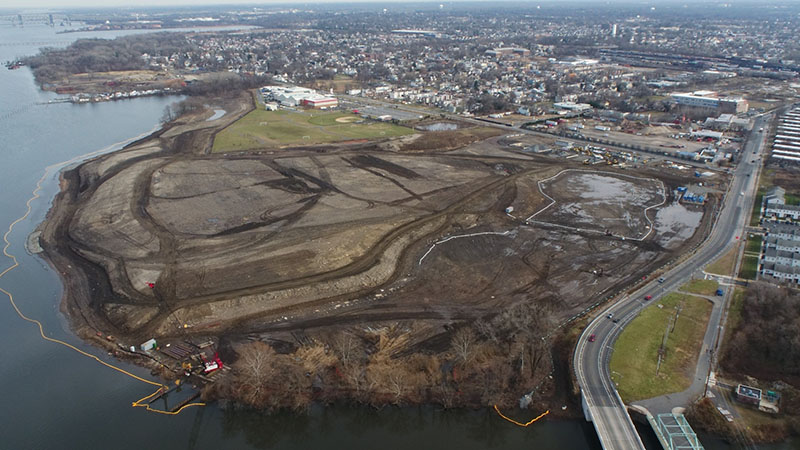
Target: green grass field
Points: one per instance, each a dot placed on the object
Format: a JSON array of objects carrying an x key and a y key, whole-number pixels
[
  {"x": 792, "y": 199},
  {"x": 755, "y": 215},
  {"x": 263, "y": 129},
  {"x": 749, "y": 268},
  {"x": 735, "y": 310},
  {"x": 633, "y": 363},
  {"x": 702, "y": 287},
  {"x": 754, "y": 244}
]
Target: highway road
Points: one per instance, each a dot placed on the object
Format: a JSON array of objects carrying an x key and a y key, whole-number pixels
[{"x": 591, "y": 360}]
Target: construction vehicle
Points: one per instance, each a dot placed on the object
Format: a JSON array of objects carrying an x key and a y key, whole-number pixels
[{"x": 211, "y": 365}]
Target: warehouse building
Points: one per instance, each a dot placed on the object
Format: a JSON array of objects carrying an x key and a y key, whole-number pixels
[
  {"x": 320, "y": 102},
  {"x": 297, "y": 96},
  {"x": 710, "y": 100}
]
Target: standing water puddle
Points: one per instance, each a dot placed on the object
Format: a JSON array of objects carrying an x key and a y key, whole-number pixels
[{"x": 217, "y": 114}]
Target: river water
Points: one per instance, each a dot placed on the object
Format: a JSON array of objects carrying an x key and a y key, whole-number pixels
[{"x": 55, "y": 398}]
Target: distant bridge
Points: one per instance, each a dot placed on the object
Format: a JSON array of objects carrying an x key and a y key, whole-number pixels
[
  {"x": 45, "y": 18},
  {"x": 35, "y": 43}
]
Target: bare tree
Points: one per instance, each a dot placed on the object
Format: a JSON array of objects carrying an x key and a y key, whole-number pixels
[
  {"x": 254, "y": 370},
  {"x": 348, "y": 347},
  {"x": 397, "y": 387},
  {"x": 487, "y": 329},
  {"x": 530, "y": 353},
  {"x": 463, "y": 344}
]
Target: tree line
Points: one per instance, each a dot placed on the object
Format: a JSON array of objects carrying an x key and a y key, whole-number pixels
[
  {"x": 766, "y": 342},
  {"x": 491, "y": 361},
  {"x": 104, "y": 55}
]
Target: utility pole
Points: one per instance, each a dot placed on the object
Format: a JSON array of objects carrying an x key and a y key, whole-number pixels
[{"x": 663, "y": 349}]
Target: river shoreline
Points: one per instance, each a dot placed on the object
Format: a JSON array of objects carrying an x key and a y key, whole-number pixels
[
  {"x": 68, "y": 397},
  {"x": 87, "y": 287}
]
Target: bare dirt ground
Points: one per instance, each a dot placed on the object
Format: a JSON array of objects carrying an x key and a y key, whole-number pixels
[
  {"x": 164, "y": 239},
  {"x": 127, "y": 80}
]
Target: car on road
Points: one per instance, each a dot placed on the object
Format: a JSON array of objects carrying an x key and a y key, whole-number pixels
[
  {"x": 661, "y": 279},
  {"x": 648, "y": 297},
  {"x": 610, "y": 315},
  {"x": 592, "y": 338}
]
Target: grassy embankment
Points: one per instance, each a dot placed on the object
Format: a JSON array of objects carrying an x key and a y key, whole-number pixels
[
  {"x": 755, "y": 215},
  {"x": 749, "y": 268},
  {"x": 754, "y": 245},
  {"x": 702, "y": 287},
  {"x": 633, "y": 364},
  {"x": 726, "y": 263},
  {"x": 764, "y": 182},
  {"x": 734, "y": 312},
  {"x": 261, "y": 129}
]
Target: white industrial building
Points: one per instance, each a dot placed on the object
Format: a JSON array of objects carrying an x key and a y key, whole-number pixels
[
  {"x": 696, "y": 99},
  {"x": 572, "y": 106},
  {"x": 296, "y": 96},
  {"x": 786, "y": 145},
  {"x": 710, "y": 100},
  {"x": 727, "y": 122},
  {"x": 703, "y": 134}
]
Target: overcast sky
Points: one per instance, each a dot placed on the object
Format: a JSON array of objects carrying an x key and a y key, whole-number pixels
[{"x": 31, "y": 4}]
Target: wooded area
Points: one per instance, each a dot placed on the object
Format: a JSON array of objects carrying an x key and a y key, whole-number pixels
[
  {"x": 766, "y": 344},
  {"x": 104, "y": 55},
  {"x": 492, "y": 361}
]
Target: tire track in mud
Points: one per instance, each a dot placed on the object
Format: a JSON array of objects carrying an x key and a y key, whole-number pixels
[
  {"x": 377, "y": 173},
  {"x": 370, "y": 257},
  {"x": 364, "y": 263}
]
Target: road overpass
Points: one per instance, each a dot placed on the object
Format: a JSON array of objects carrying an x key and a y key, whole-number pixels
[{"x": 602, "y": 403}]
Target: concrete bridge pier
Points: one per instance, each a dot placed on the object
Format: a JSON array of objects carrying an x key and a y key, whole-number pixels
[{"x": 586, "y": 414}]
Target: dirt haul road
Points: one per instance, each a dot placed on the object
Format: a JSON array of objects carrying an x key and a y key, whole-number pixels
[{"x": 164, "y": 239}]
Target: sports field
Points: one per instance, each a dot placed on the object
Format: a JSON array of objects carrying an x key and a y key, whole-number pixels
[{"x": 265, "y": 129}]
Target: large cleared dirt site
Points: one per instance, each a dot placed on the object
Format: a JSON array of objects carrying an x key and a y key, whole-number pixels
[{"x": 165, "y": 239}]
